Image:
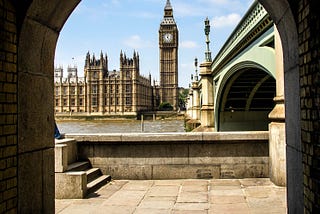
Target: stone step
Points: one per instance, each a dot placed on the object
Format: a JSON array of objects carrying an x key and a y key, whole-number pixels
[
  {"x": 79, "y": 166},
  {"x": 93, "y": 173},
  {"x": 97, "y": 183}
]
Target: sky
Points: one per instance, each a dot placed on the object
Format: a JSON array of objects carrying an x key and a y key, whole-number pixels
[{"x": 114, "y": 25}]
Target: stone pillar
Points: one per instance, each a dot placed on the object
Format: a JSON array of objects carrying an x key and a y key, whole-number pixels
[
  {"x": 196, "y": 101},
  {"x": 190, "y": 106},
  {"x": 207, "y": 108},
  {"x": 277, "y": 138}
]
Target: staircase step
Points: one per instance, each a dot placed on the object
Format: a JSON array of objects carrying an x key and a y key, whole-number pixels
[
  {"x": 93, "y": 173},
  {"x": 79, "y": 166},
  {"x": 97, "y": 183}
]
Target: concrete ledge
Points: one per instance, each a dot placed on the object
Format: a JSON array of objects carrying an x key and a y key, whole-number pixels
[
  {"x": 177, "y": 155},
  {"x": 190, "y": 137}
]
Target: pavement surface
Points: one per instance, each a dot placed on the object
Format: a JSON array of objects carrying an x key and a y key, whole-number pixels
[{"x": 257, "y": 195}]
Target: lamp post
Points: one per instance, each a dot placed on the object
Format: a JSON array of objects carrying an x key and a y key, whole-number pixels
[{"x": 207, "y": 32}]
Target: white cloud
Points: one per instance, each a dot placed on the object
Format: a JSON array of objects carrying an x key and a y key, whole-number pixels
[
  {"x": 188, "y": 44},
  {"x": 136, "y": 42},
  {"x": 183, "y": 9},
  {"x": 226, "y": 21}
]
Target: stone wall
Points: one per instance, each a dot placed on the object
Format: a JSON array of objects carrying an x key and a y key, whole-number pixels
[
  {"x": 177, "y": 155},
  {"x": 8, "y": 108},
  {"x": 309, "y": 54}
]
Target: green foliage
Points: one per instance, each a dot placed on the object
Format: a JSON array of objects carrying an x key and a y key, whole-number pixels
[
  {"x": 183, "y": 94},
  {"x": 165, "y": 106}
]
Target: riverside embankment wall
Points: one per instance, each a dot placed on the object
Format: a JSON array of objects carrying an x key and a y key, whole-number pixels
[{"x": 177, "y": 155}]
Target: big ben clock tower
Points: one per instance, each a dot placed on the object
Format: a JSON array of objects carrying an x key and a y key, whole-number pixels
[{"x": 168, "y": 45}]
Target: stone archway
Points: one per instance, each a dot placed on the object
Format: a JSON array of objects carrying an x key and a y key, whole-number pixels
[
  {"x": 38, "y": 32},
  {"x": 283, "y": 18}
]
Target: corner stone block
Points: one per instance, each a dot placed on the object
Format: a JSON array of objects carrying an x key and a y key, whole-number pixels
[
  {"x": 61, "y": 157},
  {"x": 71, "y": 185}
]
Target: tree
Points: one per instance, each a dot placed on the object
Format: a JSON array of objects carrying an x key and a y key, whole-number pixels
[
  {"x": 165, "y": 106},
  {"x": 183, "y": 94}
]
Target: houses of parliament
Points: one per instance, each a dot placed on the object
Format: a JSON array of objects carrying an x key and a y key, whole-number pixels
[{"x": 123, "y": 92}]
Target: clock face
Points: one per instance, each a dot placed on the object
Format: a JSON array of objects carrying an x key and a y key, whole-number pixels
[{"x": 167, "y": 37}]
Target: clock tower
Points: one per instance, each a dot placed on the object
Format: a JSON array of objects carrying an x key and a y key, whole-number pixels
[{"x": 168, "y": 45}]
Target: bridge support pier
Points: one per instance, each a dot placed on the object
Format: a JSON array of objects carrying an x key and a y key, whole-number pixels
[
  {"x": 196, "y": 101},
  {"x": 207, "y": 108}
]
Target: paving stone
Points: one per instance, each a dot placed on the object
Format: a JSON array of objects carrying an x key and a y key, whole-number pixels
[
  {"x": 220, "y": 187},
  {"x": 191, "y": 206},
  {"x": 238, "y": 208},
  {"x": 259, "y": 191},
  {"x": 227, "y": 199},
  {"x": 114, "y": 210},
  {"x": 168, "y": 182},
  {"x": 256, "y": 182},
  {"x": 125, "y": 197},
  {"x": 189, "y": 212},
  {"x": 151, "y": 210},
  {"x": 164, "y": 191},
  {"x": 194, "y": 188},
  {"x": 264, "y": 202},
  {"x": 154, "y": 204},
  {"x": 160, "y": 198},
  {"x": 227, "y": 192},
  {"x": 193, "y": 197},
  {"x": 195, "y": 182},
  {"x": 225, "y": 182},
  {"x": 268, "y": 210},
  {"x": 181, "y": 196},
  {"x": 138, "y": 185},
  {"x": 108, "y": 190}
]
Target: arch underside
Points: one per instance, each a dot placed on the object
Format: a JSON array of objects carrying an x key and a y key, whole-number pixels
[{"x": 246, "y": 101}]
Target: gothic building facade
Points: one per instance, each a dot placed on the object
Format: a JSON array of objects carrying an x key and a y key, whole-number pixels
[
  {"x": 103, "y": 92},
  {"x": 123, "y": 92}
]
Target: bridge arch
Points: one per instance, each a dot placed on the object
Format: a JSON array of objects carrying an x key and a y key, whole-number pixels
[
  {"x": 39, "y": 24},
  {"x": 238, "y": 98}
]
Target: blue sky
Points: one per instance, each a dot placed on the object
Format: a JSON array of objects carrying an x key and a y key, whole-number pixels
[{"x": 114, "y": 25}]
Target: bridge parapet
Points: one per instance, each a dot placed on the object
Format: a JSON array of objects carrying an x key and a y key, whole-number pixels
[
  {"x": 177, "y": 155},
  {"x": 245, "y": 32}
]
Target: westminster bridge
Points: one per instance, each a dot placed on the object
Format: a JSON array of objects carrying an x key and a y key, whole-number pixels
[
  {"x": 236, "y": 90},
  {"x": 242, "y": 88}
]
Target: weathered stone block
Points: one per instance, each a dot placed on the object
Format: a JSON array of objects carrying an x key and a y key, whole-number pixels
[
  {"x": 61, "y": 157},
  {"x": 123, "y": 171},
  {"x": 173, "y": 171},
  {"x": 70, "y": 185}
]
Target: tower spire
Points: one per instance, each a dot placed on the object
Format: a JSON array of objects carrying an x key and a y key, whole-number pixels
[
  {"x": 168, "y": 11},
  {"x": 168, "y": 5}
]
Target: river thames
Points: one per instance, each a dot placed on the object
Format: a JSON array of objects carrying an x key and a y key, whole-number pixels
[{"x": 121, "y": 126}]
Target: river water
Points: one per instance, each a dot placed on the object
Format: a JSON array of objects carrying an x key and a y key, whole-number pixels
[{"x": 120, "y": 126}]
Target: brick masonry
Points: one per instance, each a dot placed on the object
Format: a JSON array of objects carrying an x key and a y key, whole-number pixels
[
  {"x": 8, "y": 108},
  {"x": 309, "y": 53}
]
